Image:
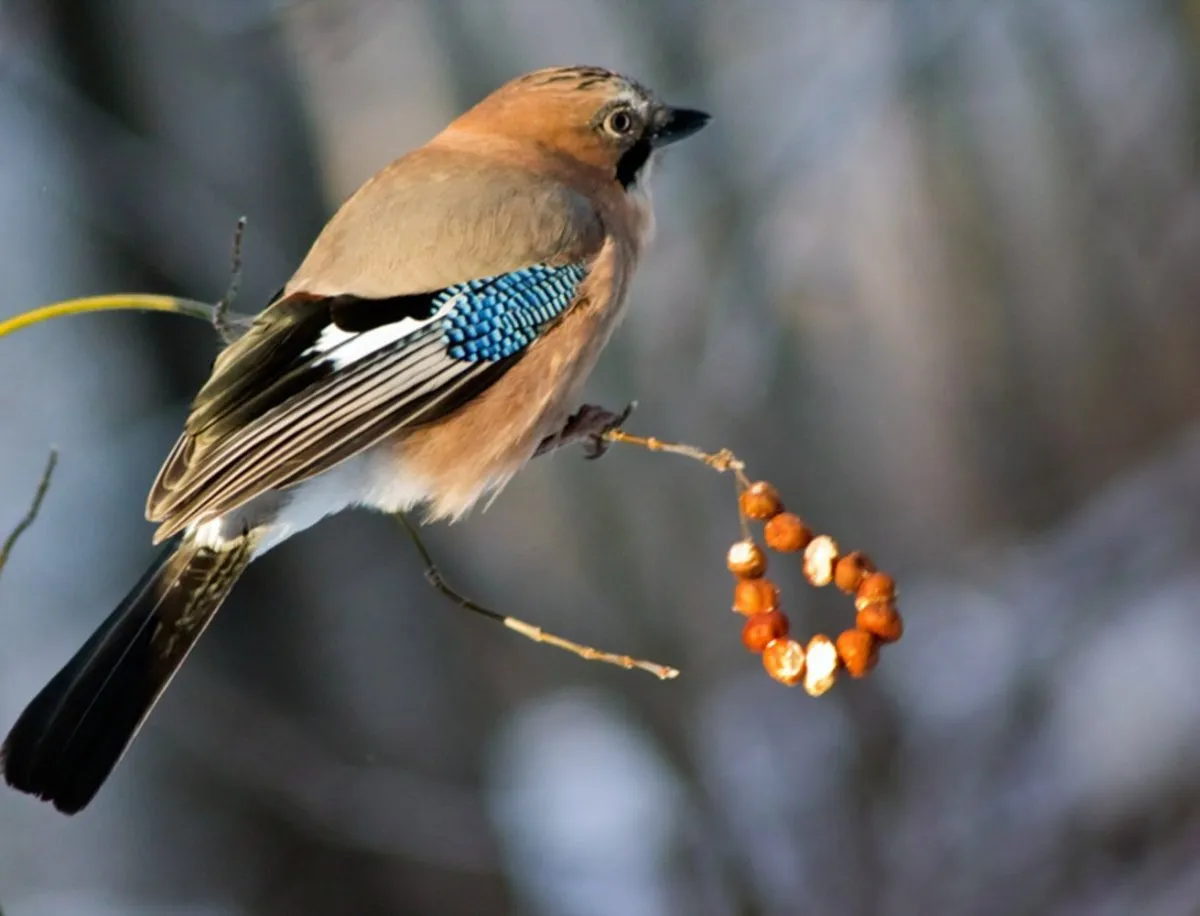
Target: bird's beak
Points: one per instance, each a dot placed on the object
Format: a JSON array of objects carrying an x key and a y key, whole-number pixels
[{"x": 671, "y": 124}]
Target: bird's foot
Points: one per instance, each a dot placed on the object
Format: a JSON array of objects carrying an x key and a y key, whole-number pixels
[{"x": 587, "y": 425}]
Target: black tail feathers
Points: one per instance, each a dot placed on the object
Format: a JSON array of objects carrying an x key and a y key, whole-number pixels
[{"x": 69, "y": 738}]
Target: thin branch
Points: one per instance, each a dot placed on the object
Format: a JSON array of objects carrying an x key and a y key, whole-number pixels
[
  {"x": 435, "y": 578},
  {"x": 228, "y": 329},
  {"x": 34, "y": 508},
  {"x": 721, "y": 462},
  {"x": 117, "y": 302},
  {"x": 228, "y": 325}
]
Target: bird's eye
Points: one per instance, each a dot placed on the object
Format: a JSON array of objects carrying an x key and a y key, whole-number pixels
[{"x": 620, "y": 123}]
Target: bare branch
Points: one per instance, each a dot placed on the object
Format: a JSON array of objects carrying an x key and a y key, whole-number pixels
[
  {"x": 229, "y": 329},
  {"x": 434, "y": 576},
  {"x": 34, "y": 508},
  {"x": 721, "y": 461}
]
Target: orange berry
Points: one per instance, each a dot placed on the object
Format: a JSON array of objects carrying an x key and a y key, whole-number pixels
[
  {"x": 747, "y": 560},
  {"x": 821, "y": 665},
  {"x": 851, "y": 570},
  {"x": 755, "y": 596},
  {"x": 760, "y": 501},
  {"x": 786, "y": 533},
  {"x": 819, "y": 557},
  {"x": 875, "y": 588},
  {"x": 784, "y": 661},
  {"x": 859, "y": 651},
  {"x": 762, "y": 629},
  {"x": 882, "y": 620}
]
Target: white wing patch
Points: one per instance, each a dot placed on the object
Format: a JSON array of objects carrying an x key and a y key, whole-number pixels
[{"x": 341, "y": 348}]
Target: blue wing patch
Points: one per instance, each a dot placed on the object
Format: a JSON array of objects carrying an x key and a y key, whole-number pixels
[{"x": 499, "y": 316}]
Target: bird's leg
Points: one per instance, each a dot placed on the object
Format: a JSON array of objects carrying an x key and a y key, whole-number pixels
[{"x": 587, "y": 425}]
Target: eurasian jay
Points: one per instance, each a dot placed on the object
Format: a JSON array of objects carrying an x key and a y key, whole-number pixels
[{"x": 436, "y": 337}]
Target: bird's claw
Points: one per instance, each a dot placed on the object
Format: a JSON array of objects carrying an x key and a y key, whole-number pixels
[
  {"x": 596, "y": 421},
  {"x": 588, "y": 426}
]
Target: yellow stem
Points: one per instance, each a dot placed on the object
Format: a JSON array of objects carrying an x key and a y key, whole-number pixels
[{"x": 118, "y": 302}]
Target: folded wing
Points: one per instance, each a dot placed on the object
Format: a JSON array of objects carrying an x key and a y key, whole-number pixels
[{"x": 319, "y": 379}]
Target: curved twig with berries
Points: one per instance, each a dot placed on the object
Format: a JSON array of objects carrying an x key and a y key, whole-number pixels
[{"x": 766, "y": 630}]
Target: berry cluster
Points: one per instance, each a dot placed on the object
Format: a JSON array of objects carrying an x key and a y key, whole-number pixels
[{"x": 766, "y": 628}]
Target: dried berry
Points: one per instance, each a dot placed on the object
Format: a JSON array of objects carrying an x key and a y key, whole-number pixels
[
  {"x": 755, "y": 596},
  {"x": 819, "y": 557},
  {"x": 784, "y": 661},
  {"x": 851, "y": 570},
  {"x": 882, "y": 620},
  {"x": 821, "y": 664},
  {"x": 762, "y": 629},
  {"x": 858, "y": 651},
  {"x": 760, "y": 501},
  {"x": 874, "y": 588},
  {"x": 787, "y": 533},
  {"x": 747, "y": 560}
]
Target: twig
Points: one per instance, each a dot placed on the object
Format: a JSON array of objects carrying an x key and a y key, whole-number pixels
[
  {"x": 435, "y": 578},
  {"x": 34, "y": 508},
  {"x": 721, "y": 461},
  {"x": 227, "y": 330},
  {"x": 118, "y": 302}
]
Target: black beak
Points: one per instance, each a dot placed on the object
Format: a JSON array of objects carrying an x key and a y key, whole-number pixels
[{"x": 671, "y": 124}]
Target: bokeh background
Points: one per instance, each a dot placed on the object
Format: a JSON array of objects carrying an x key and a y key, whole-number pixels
[{"x": 934, "y": 269}]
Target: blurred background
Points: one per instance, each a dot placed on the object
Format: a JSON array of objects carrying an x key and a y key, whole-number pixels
[{"x": 933, "y": 269}]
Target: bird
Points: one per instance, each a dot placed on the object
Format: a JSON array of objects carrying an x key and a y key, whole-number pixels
[{"x": 433, "y": 340}]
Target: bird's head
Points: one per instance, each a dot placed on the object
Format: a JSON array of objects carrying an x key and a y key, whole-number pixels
[{"x": 589, "y": 114}]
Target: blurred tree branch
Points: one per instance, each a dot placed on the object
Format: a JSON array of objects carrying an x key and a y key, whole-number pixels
[{"x": 34, "y": 508}]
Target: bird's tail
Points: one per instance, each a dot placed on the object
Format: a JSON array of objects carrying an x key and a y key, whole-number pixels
[{"x": 72, "y": 734}]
